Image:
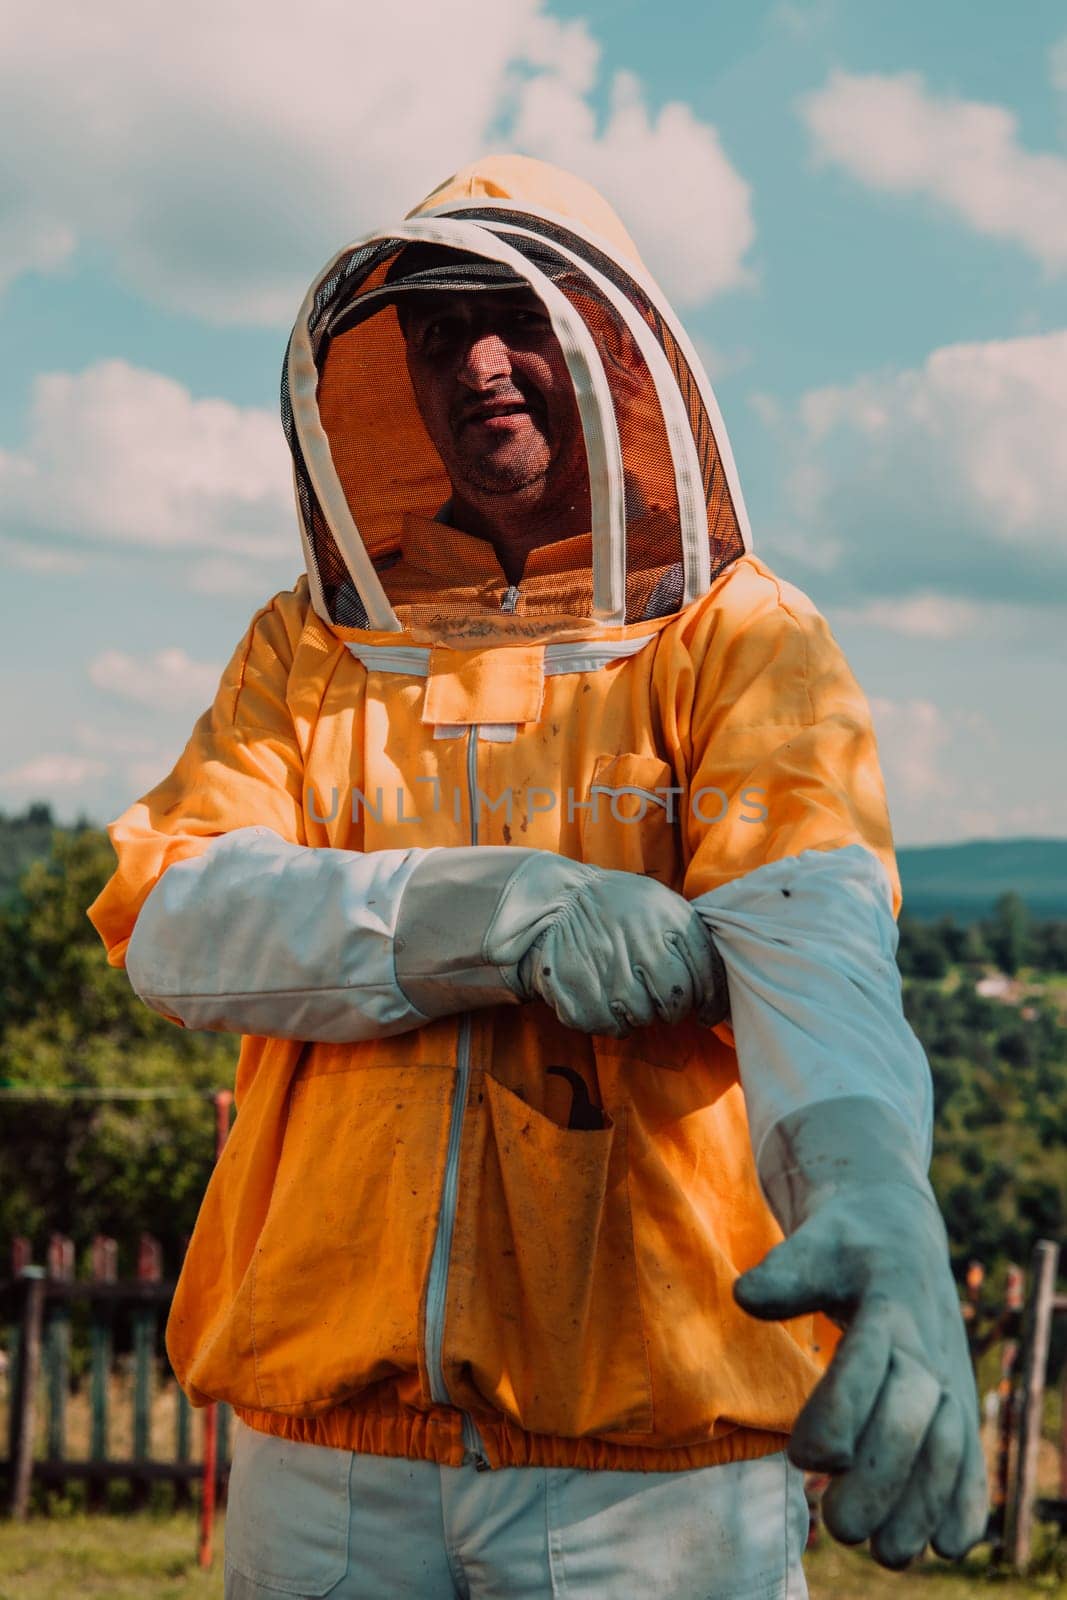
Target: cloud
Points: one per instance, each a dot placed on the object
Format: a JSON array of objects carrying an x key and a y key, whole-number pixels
[
  {"x": 945, "y": 480},
  {"x": 919, "y": 616},
  {"x": 219, "y": 153},
  {"x": 891, "y": 133},
  {"x": 28, "y": 557},
  {"x": 721, "y": 364},
  {"x": 668, "y": 176},
  {"x": 124, "y": 456},
  {"x": 31, "y": 243},
  {"x": 1057, "y": 58},
  {"x": 112, "y": 741},
  {"x": 803, "y": 20},
  {"x": 77, "y": 785},
  {"x": 50, "y": 772},
  {"x": 934, "y": 761},
  {"x": 145, "y": 775},
  {"x": 1040, "y": 819},
  {"x": 228, "y": 575},
  {"x": 947, "y": 779},
  {"x": 166, "y": 681},
  {"x": 912, "y": 735}
]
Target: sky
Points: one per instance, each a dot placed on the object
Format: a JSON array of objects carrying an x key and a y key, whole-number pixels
[{"x": 859, "y": 211}]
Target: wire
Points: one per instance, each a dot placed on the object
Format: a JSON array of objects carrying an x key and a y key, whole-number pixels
[{"x": 85, "y": 1091}]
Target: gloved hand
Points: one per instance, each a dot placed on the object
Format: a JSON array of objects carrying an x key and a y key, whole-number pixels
[
  {"x": 895, "y": 1418},
  {"x": 610, "y": 951}
]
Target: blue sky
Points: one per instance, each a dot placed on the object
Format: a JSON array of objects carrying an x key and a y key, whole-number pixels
[{"x": 860, "y": 211}]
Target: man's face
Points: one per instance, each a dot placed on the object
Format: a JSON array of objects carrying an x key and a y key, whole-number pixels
[{"x": 494, "y": 392}]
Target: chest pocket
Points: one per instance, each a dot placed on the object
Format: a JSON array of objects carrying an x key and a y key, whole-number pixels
[{"x": 631, "y": 823}]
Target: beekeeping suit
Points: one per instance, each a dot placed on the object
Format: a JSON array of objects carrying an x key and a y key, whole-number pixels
[{"x": 476, "y": 861}]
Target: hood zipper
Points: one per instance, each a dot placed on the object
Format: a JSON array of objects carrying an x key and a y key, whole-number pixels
[{"x": 437, "y": 1285}]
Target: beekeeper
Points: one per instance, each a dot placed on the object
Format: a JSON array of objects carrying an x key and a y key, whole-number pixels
[{"x": 536, "y": 844}]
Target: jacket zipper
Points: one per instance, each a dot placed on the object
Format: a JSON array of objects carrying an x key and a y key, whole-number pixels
[
  {"x": 510, "y": 598},
  {"x": 437, "y": 1287}
]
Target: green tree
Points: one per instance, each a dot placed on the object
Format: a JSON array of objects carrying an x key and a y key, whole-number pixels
[
  {"x": 1015, "y": 1046},
  {"x": 922, "y": 952},
  {"x": 87, "y": 1165},
  {"x": 975, "y": 949},
  {"x": 1008, "y": 933},
  {"x": 23, "y": 839}
]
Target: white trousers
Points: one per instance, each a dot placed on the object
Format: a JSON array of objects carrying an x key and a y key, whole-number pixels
[{"x": 309, "y": 1521}]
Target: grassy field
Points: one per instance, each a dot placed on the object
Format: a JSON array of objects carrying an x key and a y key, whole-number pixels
[
  {"x": 146, "y": 1557},
  {"x": 141, "y": 1557},
  {"x": 153, "y": 1556}
]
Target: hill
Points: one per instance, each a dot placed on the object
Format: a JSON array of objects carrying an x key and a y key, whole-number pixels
[
  {"x": 965, "y": 880},
  {"x": 959, "y": 880}
]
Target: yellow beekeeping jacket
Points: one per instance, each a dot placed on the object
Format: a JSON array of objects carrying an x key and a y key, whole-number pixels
[{"x": 405, "y": 1244}]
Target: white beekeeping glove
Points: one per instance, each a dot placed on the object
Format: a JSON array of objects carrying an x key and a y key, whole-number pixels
[
  {"x": 895, "y": 1418},
  {"x": 608, "y": 951},
  {"x": 840, "y": 1113}
]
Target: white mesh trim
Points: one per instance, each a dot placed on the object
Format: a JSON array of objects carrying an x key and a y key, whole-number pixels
[
  {"x": 411, "y": 660},
  {"x": 315, "y": 447},
  {"x": 688, "y": 479},
  {"x": 655, "y": 294},
  {"x": 318, "y": 598},
  {"x": 583, "y": 655},
  {"x": 491, "y": 732},
  {"x": 586, "y": 655}
]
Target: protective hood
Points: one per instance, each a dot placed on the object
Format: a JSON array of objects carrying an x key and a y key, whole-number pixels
[{"x": 665, "y": 513}]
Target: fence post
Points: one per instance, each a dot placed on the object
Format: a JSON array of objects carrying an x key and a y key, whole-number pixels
[
  {"x": 24, "y": 1400},
  {"x": 1009, "y": 1353},
  {"x": 57, "y": 1347},
  {"x": 105, "y": 1269},
  {"x": 972, "y": 1306},
  {"x": 1035, "y": 1363},
  {"x": 21, "y": 1258},
  {"x": 182, "y": 1425},
  {"x": 145, "y": 1320},
  {"x": 223, "y": 1107}
]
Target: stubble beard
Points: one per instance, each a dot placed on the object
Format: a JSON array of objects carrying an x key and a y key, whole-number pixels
[
  {"x": 519, "y": 464},
  {"x": 523, "y": 472}
]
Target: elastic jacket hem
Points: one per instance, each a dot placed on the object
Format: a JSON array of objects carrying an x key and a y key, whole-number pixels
[{"x": 437, "y": 1435}]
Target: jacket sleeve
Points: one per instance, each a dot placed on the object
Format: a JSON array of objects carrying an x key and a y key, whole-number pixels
[
  {"x": 790, "y": 861},
  {"x": 226, "y": 918}
]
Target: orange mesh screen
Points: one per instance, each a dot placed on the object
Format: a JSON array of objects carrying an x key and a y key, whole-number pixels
[
  {"x": 394, "y": 478},
  {"x": 384, "y": 458},
  {"x": 724, "y": 530}
]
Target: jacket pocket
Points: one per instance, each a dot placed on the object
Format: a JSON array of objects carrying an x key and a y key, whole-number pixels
[
  {"x": 546, "y": 1319},
  {"x": 631, "y": 822},
  {"x": 334, "y": 1289}
]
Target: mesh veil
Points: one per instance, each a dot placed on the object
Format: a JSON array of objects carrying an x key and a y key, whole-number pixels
[{"x": 391, "y": 474}]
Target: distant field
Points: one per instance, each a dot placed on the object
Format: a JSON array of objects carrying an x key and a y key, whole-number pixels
[{"x": 147, "y": 1557}]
